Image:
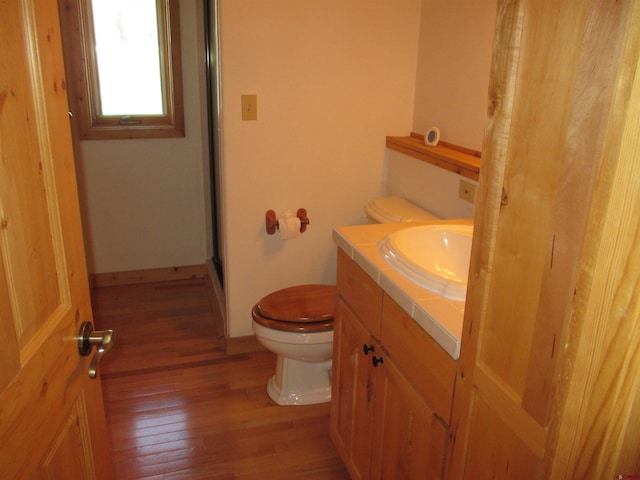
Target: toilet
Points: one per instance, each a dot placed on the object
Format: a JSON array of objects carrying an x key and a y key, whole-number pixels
[
  {"x": 394, "y": 209},
  {"x": 296, "y": 323}
]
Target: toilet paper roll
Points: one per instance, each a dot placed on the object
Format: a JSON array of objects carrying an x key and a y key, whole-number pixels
[{"x": 289, "y": 226}]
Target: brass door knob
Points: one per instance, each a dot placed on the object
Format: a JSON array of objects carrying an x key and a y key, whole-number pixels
[{"x": 88, "y": 338}]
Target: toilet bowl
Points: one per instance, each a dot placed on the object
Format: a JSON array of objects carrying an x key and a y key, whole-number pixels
[{"x": 296, "y": 324}]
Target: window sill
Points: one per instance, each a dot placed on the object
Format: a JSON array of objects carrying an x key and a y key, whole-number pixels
[
  {"x": 119, "y": 132},
  {"x": 460, "y": 160}
]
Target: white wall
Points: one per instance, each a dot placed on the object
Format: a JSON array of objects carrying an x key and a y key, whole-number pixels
[
  {"x": 452, "y": 81},
  {"x": 144, "y": 200},
  {"x": 333, "y": 78},
  {"x": 432, "y": 188}
]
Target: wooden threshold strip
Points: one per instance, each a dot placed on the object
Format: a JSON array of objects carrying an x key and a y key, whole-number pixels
[{"x": 457, "y": 159}]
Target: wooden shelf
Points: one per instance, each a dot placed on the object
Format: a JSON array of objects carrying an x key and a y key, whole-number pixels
[{"x": 460, "y": 160}]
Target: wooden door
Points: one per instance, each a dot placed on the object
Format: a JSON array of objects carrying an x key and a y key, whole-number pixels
[
  {"x": 52, "y": 422},
  {"x": 544, "y": 357}
]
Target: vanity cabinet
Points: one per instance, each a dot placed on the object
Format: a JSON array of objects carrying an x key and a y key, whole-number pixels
[{"x": 392, "y": 385}]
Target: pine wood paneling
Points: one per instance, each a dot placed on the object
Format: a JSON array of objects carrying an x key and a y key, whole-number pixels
[
  {"x": 548, "y": 366},
  {"x": 599, "y": 425},
  {"x": 51, "y": 412},
  {"x": 502, "y": 451},
  {"x": 179, "y": 407}
]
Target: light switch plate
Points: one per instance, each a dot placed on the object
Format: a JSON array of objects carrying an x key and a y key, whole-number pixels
[{"x": 249, "y": 107}]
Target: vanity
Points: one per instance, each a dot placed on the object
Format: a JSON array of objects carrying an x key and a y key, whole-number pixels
[
  {"x": 546, "y": 385},
  {"x": 396, "y": 346}
]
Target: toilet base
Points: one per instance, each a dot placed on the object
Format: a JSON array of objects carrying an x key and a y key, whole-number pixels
[{"x": 300, "y": 383}]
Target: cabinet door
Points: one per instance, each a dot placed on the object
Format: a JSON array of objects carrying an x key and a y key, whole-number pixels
[
  {"x": 410, "y": 440},
  {"x": 422, "y": 361},
  {"x": 352, "y": 395}
]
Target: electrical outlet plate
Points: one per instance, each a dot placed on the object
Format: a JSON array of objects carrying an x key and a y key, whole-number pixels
[{"x": 467, "y": 191}]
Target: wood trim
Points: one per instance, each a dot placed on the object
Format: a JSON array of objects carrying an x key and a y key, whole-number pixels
[
  {"x": 82, "y": 84},
  {"x": 242, "y": 345},
  {"x": 456, "y": 159},
  {"x": 147, "y": 276}
]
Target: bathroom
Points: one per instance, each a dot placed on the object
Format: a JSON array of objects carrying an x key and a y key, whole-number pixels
[
  {"x": 327, "y": 98},
  {"x": 546, "y": 385}
]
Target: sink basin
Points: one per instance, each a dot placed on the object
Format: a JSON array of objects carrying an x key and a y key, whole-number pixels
[{"x": 435, "y": 257}]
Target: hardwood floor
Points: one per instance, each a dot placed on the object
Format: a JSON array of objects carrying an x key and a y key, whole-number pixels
[{"x": 178, "y": 407}]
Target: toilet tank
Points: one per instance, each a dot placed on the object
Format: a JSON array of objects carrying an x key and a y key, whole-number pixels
[{"x": 395, "y": 209}]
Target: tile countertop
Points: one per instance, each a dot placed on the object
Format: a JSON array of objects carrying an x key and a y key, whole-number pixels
[{"x": 438, "y": 316}]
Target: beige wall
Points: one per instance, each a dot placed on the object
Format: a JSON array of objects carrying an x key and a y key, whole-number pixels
[
  {"x": 333, "y": 77},
  {"x": 144, "y": 200},
  {"x": 452, "y": 81},
  {"x": 453, "y": 69}
]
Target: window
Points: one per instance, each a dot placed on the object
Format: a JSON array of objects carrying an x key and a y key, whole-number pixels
[{"x": 123, "y": 67}]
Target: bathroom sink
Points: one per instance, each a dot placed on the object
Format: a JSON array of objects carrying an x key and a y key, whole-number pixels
[{"x": 435, "y": 257}]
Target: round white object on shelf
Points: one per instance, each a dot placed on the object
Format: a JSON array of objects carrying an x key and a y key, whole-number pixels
[{"x": 432, "y": 137}]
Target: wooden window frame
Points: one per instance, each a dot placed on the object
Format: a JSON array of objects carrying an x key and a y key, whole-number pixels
[{"x": 82, "y": 77}]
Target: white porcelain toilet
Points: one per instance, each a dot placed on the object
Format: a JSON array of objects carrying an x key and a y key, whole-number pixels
[
  {"x": 394, "y": 209},
  {"x": 296, "y": 323}
]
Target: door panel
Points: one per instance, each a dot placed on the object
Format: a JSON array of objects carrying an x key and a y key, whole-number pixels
[
  {"x": 52, "y": 422},
  {"x": 504, "y": 455},
  {"x": 66, "y": 457},
  {"x": 558, "y": 70}
]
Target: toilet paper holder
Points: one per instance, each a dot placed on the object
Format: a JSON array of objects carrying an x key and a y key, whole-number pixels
[{"x": 271, "y": 222}]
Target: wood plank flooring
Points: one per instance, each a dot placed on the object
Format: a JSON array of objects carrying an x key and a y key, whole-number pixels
[{"x": 178, "y": 407}]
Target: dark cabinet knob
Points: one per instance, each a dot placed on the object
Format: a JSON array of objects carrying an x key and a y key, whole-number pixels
[
  {"x": 368, "y": 348},
  {"x": 377, "y": 361}
]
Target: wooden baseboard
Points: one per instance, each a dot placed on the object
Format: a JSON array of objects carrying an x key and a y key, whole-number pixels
[
  {"x": 148, "y": 276},
  {"x": 240, "y": 345}
]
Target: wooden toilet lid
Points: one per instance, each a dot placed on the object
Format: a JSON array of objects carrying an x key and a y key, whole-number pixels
[{"x": 299, "y": 304}]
